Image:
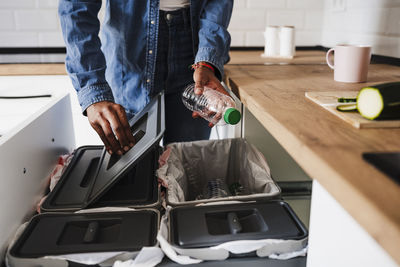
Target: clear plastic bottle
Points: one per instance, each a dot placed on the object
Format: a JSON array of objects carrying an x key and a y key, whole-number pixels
[
  {"x": 211, "y": 105},
  {"x": 215, "y": 188}
]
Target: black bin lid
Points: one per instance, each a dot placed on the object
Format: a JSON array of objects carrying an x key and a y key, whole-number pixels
[
  {"x": 65, "y": 233},
  {"x": 112, "y": 168},
  {"x": 93, "y": 172},
  {"x": 210, "y": 225}
]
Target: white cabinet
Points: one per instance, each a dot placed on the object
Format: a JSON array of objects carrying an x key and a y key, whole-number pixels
[
  {"x": 336, "y": 239},
  {"x": 28, "y": 153}
]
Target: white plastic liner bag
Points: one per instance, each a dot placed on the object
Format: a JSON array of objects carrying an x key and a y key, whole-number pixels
[{"x": 186, "y": 168}]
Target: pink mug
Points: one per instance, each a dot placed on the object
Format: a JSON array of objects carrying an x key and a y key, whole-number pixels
[{"x": 350, "y": 62}]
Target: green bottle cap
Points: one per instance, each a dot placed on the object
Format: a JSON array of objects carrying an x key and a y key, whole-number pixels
[{"x": 232, "y": 116}]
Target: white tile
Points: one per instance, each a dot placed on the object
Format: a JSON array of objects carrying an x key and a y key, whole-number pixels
[
  {"x": 308, "y": 4},
  {"x": 286, "y": 17},
  {"x": 18, "y": 3},
  {"x": 48, "y": 3},
  {"x": 381, "y": 45},
  {"x": 53, "y": 58},
  {"x": 239, "y": 3},
  {"x": 330, "y": 38},
  {"x": 373, "y": 20},
  {"x": 335, "y": 21},
  {"x": 36, "y": 19},
  {"x": 314, "y": 20},
  {"x": 266, "y": 3},
  {"x": 308, "y": 38},
  {"x": 238, "y": 38},
  {"x": 393, "y": 23},
  {"x": 255, "y": 38},
  {"x": 371, "y": 3},
  {"x": 18, "y": 39},
  {"x": 247, "y": 19},
  {"x": 20, "y": 58},
  {"x": 6, "y": 20},
  {"x": 59, "y": 24},
  {"x": 51, "y": 39}
]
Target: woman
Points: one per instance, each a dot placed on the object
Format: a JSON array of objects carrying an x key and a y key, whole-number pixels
[{"x": 146, "y": 47}]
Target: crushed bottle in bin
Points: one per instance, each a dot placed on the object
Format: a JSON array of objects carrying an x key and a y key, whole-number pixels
[{"x": 215, "y": 188}]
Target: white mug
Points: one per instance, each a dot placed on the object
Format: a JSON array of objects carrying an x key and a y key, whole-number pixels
[{"x": 350, "y": 62}]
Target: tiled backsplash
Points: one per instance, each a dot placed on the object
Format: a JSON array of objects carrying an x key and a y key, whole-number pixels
[
  {"x": 374, "y": 22},
  {"x": 34, "y": 23},
  {"x": 250, "y": 17},
  {"x": 29, "y": 23}
]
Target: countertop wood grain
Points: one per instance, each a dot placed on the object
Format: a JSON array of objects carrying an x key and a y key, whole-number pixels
[
  {"x": 32, "y": 69},
  {"x": 326, "y": 147}
]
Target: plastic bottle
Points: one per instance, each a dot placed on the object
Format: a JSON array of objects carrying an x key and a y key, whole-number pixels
[
  {"x": 215, "y": 188},
  {"x": 211, "y": 105}
]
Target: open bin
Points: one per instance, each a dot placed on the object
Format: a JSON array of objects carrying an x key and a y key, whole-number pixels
[
  {"x": 191, "y": 167},
  {"x": 206, "y": 226},
  {"x": 96, "y": 179}
]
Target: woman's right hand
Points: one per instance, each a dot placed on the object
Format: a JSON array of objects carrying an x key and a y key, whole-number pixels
[{"x": 109, "y": 120}]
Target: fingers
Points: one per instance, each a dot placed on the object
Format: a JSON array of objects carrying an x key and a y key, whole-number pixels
[
  {"x": 199, "y": 86},
  {"x": 110, "y": 122},
  {"x": 129, "y": 140},
  {"x": 119, "y": 132},
  {"x": 218, "y": 86},
  {"x": 195, "y": 115},
  {"x": 205, "y": 77},
  {"x": 103, "y": 137},
  {"x": 110, "y": 136}
]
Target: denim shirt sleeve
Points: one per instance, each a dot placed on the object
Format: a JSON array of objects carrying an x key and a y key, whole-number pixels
[
  {"x": 214, "y": 38},
  {"x": 85, "y": 61}
]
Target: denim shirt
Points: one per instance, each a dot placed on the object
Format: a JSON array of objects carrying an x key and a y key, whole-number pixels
[{"x": 121, "y": 66}]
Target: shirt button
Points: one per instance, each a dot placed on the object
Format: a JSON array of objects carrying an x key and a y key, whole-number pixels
[
  {"x": 152, "y": 22},
  {"x": 169, "y": 16},
  {"x": 148, "y": 80},
  {"x": 150, "y": 52}
]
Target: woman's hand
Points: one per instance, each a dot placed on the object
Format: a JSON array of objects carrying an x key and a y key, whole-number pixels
[
  {"x": 111, "y": 124},
  {"x": 204, "y": 76}
]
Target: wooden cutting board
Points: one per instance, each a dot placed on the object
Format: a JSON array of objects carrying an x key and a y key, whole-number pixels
[{"x": 328, "y": 101}]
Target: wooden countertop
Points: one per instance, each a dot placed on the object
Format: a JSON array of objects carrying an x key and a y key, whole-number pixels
[
  {"x": 33, "y": 69},
  {"x": 326, "y": 147},
  {"x": 312, "y": 57}
]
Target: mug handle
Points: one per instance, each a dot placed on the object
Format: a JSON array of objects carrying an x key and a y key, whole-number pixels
[{"x": 328, "y": 61}]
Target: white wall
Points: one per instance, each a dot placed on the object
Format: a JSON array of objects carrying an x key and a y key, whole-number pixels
[
  {"x": 29, "y": 23},
  {"x": 250, "y": 17},
  {"x": 374, "y": 22},
  {"x": 34, "y": 23}
]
